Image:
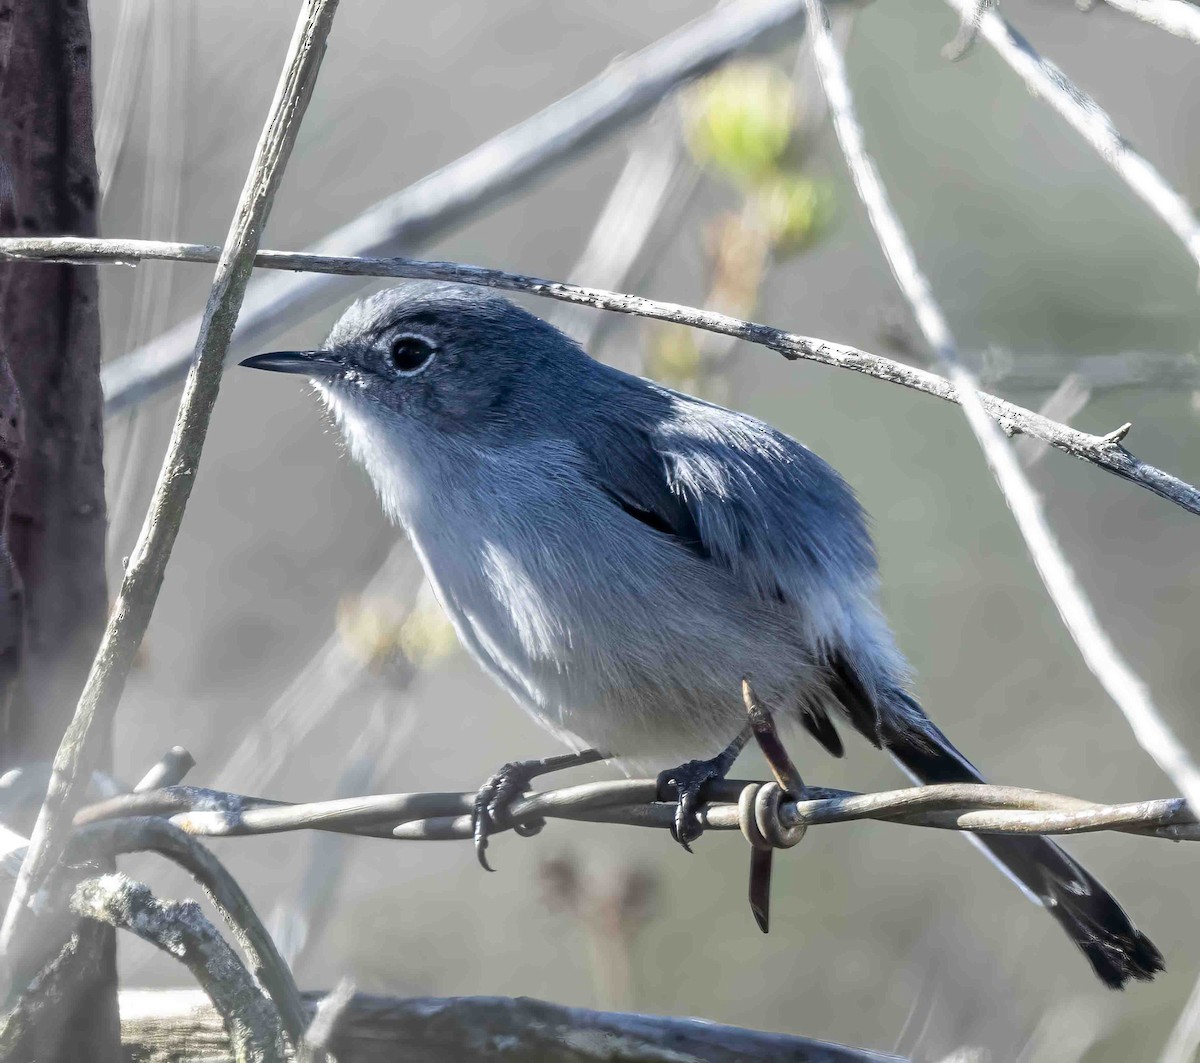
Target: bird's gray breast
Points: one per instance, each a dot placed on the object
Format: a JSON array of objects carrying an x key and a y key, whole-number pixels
[{"x": 612, "y": 633}]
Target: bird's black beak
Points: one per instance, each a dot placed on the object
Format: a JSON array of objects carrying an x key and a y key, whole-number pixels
[{"x": 306, "y": 363}]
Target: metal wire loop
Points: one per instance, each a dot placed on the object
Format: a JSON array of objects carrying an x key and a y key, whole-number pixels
[{"x": 758, "y": 817}]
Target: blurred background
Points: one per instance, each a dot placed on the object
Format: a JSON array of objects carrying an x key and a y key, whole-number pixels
[{"x": 293, "y": 666}]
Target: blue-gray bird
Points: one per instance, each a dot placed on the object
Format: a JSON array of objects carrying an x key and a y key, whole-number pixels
[{"x": 618, "y": 555}]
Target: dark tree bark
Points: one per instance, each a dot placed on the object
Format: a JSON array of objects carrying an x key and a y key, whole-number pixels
[
  {"x": 50, "y": 335},
  {"x": 12, "y": 593},
  {"x": 50, "y": 332}
]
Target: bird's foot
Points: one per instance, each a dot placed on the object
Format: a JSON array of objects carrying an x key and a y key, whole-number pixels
[
  {"x": 511, "y": 782},
  {"x": 687, "y": 782},
  {"x": 493, "y": 800}
]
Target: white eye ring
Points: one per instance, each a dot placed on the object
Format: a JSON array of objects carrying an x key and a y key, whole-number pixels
[{"x": 410, "y": 353}]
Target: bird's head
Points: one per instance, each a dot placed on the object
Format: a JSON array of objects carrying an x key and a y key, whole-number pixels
[{"x": 434, "y": 358}]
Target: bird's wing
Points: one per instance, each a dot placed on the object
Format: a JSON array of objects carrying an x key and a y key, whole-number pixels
[
  {"x": 743, "y": 496},
  {"x": 739, "y": 493}
]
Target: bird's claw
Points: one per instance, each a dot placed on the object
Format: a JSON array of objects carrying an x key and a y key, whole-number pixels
[
  {"x": 688, "y": 782},
  {"x": 493, "y": 800}
]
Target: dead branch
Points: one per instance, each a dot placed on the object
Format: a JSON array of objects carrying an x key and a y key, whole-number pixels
[
  {"x": 148, "y": 834},
  {"x": 1099, "y": 450},
  {"x": 180, "y": 930},
  {"x": 175, "y": 764},
  {"x": 1175, "y": 16},
  {"x": 177, "y": 1026},
  {"x": 1047, "y": 82}
]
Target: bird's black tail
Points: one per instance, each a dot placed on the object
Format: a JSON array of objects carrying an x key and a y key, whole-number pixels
[{"x": 1089, "y": 914}]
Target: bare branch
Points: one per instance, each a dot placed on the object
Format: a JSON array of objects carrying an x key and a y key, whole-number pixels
[
  {"x": 1090, "y": 121},
  {"x": 1071, "y": 396},
  {"x": 161, "y": 1026},
  {"x": 119, "y": 836},
  {"x": 968, "y": 30},
  {"x": 1122, "y": 684},
  {"x": 449, "y": 197},
  {"x": 147, "y": 565},
  {"x": 180, "y": 930},
  {"x": 1013, "y": 419},
  {"x": 1175, "y": 16},
  {"x": 175, "y": 764}
]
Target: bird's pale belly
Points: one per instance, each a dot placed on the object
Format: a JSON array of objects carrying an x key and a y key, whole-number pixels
[{"x": 646, "y": 665}]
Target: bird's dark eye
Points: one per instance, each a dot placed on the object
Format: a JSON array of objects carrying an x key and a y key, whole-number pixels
[{"x": 410, "y": 353}]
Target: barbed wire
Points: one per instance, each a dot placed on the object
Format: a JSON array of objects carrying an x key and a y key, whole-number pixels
[
  {"x": 770, "y": 815},
  {"x": 759, "y": 809}
]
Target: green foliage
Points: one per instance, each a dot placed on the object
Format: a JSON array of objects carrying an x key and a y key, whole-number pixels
[
  {"x": 739, "y": 124},
  {"x": 794, "y": 209},
  {"x": 739, "y": 121}
]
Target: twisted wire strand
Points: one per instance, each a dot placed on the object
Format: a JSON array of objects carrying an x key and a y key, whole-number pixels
[{"x": 777, "y": 817}]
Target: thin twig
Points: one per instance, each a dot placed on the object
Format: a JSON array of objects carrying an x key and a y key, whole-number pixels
[
  {"x": 968, "y": 30},
  {"x": 1090, "y": 121},
  {"x": 169, "y": 771},
  {"x": 180, "y": 930},
  {"x": 1122, "y": 684},
  {"x": 1013, "y": 419},
  {"x": 449, "y": 197},
  {"x": 147, "y": 564},
  {"x": 1175, "y": 16},
  {"x": 301, "y": 913}
]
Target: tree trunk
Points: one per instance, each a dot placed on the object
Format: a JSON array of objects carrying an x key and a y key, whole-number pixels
[
  {"x": 50, "y": 333},
  {"x": 50, "y": 336}
]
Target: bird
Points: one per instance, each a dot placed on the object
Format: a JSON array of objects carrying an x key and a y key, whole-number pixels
[{"x": 618, "y": 556}]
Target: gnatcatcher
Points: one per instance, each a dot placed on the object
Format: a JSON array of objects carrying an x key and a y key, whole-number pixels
[{"x": 619, "y": 555}]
